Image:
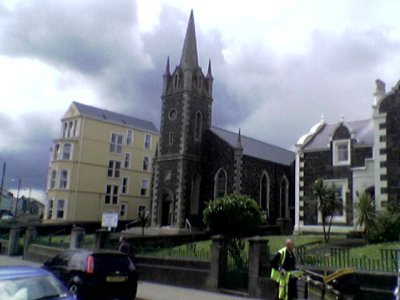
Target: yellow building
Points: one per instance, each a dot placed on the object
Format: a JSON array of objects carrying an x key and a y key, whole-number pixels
[{"x": 101, "y": 163}]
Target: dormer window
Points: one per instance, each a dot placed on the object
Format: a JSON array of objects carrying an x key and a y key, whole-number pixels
[{"x": 341, "y": 152}]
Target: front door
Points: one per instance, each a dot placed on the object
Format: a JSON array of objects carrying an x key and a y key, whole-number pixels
[{"x": 166, "y": 210}]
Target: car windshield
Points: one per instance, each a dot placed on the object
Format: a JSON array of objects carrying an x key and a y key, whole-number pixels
[{"x": 31, "y": 288}]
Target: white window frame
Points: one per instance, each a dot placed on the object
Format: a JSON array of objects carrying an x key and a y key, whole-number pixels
[
  {"x": 125, "y": 185},
  {"x": 66, "y": 155},
  {"x": 343, "y": 185},
  {"x": 147, "y": 141},
  {"x": 144, "y": 187},
  {"x": 336, "y": 153},
  {"x": 123, "y": 210},
  {"x": 53, "y": 179},
  {"x": 111, "y": 197},
  {"x": 75, "y": 128},
  {"x": 129, "y": 137},
  {"x": 56, "y": 151},
  {"x": 127, "y": 160},
  {"x": 65, "y": 129},
  {"x": 62, "y": 179},
  {"x": 50, "y": 209},
  {"x": 62, "y": 209},
  {"x": 114, "y": 169},
  {"x": 146, "y": 163},
  {"x": 116, "y": 142}
]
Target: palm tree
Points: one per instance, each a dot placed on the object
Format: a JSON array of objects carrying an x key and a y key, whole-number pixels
[
  {"x": 365, "y": 213},
  {"x": 328, "y": 204}
]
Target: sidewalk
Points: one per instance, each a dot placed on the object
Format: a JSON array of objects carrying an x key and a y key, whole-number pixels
[{"x": 146, "y": 290}]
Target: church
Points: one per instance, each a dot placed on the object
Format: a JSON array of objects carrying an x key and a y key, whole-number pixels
[{"x": 196, "y": 162}]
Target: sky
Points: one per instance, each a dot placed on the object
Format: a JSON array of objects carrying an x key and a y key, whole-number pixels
[{"x": 278, "y": 66}]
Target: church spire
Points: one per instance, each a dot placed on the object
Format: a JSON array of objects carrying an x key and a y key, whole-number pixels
[
  {"x": 189, "y": 51},
  {"x": 167, "y": 69}
]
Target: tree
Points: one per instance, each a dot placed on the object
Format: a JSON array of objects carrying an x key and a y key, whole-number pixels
[
  {"x": 233, "y": 215},
  {"x": 328, "y": 204},
  {"x": 365, "y": 213}
]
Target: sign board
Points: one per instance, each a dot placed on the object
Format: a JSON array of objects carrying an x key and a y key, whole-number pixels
[{"x": 109, "y": 220}]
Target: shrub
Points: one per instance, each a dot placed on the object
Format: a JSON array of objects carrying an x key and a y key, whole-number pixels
[
  {"x": 233, "y": 215},
  {"x": 388, "y": 226}
]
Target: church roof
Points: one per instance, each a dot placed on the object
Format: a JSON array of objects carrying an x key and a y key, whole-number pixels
[
  {"x": 256, "y": 148},
  {"x": 361, "y": 131},
  {"x": 116, "y": 118},
  {"x": 189, "y": 57}
]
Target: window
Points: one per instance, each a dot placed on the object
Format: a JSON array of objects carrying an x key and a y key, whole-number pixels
[
  {"x": 173, "y": 113},
  {"x": 63, "y": 179},
  {"x": 123, "y": 210},
  {"x": 70, "y": 125},
  {"x": 171, "y": 138},
  {"x": 129, "y": 137},
  {"x": 147, "y": 141},
  {"x": 341, "y": 190},
  {"x": 50, "y": 209},
  {"x": 56, "y": 152},
  {"x": 60, "y": 208},
  {"x": 341, "y": 152},
  {"x": 127, "y": 160},
  {"x": 198, "y": 125},
  {"x": 116, "y": 142},
  {"x": 264, "y": 192},
  {"x": 125, "y": 182},
  {"x": 220, "y": 184},
  {"x": 111, "y": 194},
  {"x": 75, "y": 128},
  {"x": 114, "y": 168},
  {"x": 141, "y": 210},
  {"x": 144, "y": 186},
  {"x": 65, "y": 128},
  {"x": 53, "y": 177},
  {"x": 66, "y": 154},
  {"x": 146, "y": 163}
]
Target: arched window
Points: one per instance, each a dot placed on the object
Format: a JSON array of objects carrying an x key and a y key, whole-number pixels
[
  {"x": 195, "y": 194},
  {"x": 198, "y": 125},
  {"x": 264, "y": 192},
  {"x": 284, "y": 198},
  {"x": 220, "y": 181}
]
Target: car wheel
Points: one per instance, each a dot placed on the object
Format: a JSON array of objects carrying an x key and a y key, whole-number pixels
[{"x": 74, "y": 289}]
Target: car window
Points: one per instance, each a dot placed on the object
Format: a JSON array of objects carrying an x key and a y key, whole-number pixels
[{"x": 78, "y": 261}]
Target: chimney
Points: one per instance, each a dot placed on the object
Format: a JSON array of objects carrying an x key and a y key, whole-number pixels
[{"x": 380, "y": 91}]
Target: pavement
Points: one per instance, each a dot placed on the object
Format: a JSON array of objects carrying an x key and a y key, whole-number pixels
[{"x": 146, "y": 290}]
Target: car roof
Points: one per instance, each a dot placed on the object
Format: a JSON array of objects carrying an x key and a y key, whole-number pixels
[{"x": 13, "y": 272}]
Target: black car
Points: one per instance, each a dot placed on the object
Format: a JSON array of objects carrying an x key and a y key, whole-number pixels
[{"x": 95, "y": 274}]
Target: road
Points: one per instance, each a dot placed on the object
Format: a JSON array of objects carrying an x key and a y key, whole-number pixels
[{"x": 146, "y": 290}]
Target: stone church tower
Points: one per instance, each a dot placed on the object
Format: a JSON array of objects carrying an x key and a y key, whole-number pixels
[{"x": 185, "y": 118}]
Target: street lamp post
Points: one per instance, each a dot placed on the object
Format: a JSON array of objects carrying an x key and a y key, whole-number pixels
[
  {"x": 2, "y": 179},
  {"x": 16, "y": 203}
]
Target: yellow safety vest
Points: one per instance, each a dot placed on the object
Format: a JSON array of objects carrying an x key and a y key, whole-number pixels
[{"x": 281, "y": 279}]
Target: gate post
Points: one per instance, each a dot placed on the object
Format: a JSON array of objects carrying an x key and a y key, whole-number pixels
[
  {"x": 260, "y": 285},
  {"x": 77, "y": 234},
  {"x": 218, "y": 261},
  {"x": 101, "y": 238},
  {"x": 30, "y": 236},
  {"x": 13, "y": 239}
]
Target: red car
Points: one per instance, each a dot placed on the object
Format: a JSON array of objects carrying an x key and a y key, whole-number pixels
[{"x": 92, "y": 274}]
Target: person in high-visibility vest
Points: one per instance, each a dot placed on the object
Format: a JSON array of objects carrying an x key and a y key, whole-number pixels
[{"x": 282, "y": 264}]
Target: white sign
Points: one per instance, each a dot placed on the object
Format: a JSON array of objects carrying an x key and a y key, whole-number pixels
[{"x": 109, "y": 219}]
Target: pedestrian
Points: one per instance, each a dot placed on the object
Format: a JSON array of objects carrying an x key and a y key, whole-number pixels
[
  {"x": 282, "y": 264},
  {"x": 123, "y": 245}
]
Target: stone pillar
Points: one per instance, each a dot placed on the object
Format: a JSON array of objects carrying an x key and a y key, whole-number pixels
[
  {"x": 77, "y": 234},
  {"x": 219, "y": 257},
  {"x": 260, "y": 285},
  {"x": 101, "y": 238},
  {"x": 13, "y": 240},
  {"x": 30, "y": 236}
]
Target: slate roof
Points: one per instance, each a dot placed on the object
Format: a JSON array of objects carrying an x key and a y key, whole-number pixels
[
  {"x": 116, "y": 118},
  {"x": 362, "y": 132},
  {"x": 256, "y": 148}
]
